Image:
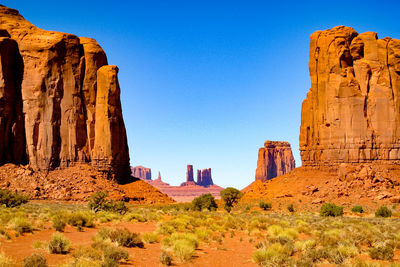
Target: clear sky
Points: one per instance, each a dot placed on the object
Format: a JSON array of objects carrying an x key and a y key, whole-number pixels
[{"x": 207, "y": 82}]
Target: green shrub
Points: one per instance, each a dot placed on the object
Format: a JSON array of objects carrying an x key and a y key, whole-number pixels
[
  {"x": 290, "y": 208},
  {"x": 21, "y": 225},
  {"x": 165, "y": 258},
  {"x": 205, "y": 201},
  {"x": 35, "y": 260},
  {"x": 123, "y": 237},
  {"x": 358, "y": 209},
  {"x": 274, "y": 255},
  {"x": 150, "y": 237},
  {"x": 381, "y": 253},
  {"x": 59, "y": 223},
  {"x": 59, "y": 244},
  {"x": 383, "y": 212},
  {"x": 99, "y": 201},
  {"x": 265, "y": 205},
  {"x": 81, "y": 218},
  {"x": 10, "y": 199},
  {"x": 114, "y": 254},
  {"x": 183, "y": 249},
  {"x": 230, "y": 196},
  {"x": 330, "y": 209}
]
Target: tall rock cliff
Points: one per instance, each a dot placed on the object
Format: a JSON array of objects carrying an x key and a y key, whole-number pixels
[
  {"x": 352, "y": 111},
  {"x": 189, "y": 174},
  {"x": 60, "y": 100},
  {"x": 274, "y": 159}
]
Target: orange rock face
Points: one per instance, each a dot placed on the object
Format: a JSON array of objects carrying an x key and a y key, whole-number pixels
[
  {"x": 351, "y": 113},
  {"x": 274, "y": 159},
  {"x": 64, "y": 98}
]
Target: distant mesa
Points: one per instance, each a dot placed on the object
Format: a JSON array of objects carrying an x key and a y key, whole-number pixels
[
  {"x": 274, "y": 159},
  {"x": 187, "y": 190},
  {"x": 141, "y": 172}
]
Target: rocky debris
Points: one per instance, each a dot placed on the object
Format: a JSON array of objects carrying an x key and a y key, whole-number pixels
[
  {"x": 351, "y": 113},
  {"x": 65, "y": 101},
  {"x": 274, "y": 159},
  {"x": 189, "y": 174},
  {"x": 141, "y": 172},
  {"x": 75, "y": 183},
  {"x": 317, "y": 201}
]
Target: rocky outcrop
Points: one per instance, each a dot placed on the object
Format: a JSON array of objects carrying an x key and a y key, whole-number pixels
[
  {"x": 65, "y": 99},
  {"x": 274, "y": 159},
  {"x": 189, "y": 173},
  {"x": 205, "y": 177},
  {"x": 141, "y": 172},
  {"x": 351, "y": 113}
]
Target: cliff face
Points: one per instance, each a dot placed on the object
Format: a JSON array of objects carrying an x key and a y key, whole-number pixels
[
  {"x": 60, "y": 101},
  {"x": 351, "y": 113},
  {"x": 141, "y": 172},
  {"x": 274, "y": 159}
]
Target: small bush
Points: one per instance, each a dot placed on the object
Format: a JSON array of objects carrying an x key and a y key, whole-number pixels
[
  {"x": 114, "y": 254},
  {"x": 183, "y": 249},
  {"x": 150, "y": 238},
  {"x": 99, "y": 201},
  {"x": 59, "y": 244},
  {"x": 230, "y": 196},
  {"x": 5, "y": 261},
  {"x": 358, "y": 209},
  {"x": 165, "y": 258},
  {"x": 123, "y": 237},
  {"x": 290, "y": 208},
  {"x": 383, "y": 212},
  {"x": 205, "y": 201},
  {"x": 59, "y": 223},
  {"x": 21, "y": 225},
  {"x": 275, "y": 255},
  {"x": 330, "y": 209},
  {"x": 10, "y": 199},
  {"x": 35, "y": 260},
  {"x": 81, "y": 218},
  {"x": 381, "y": 253},
  {"x": 265, "y": 205}
]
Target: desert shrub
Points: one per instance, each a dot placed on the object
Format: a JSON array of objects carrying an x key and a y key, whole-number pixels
[
  {"x": 5, "y": 261},
  {"x": 10, "y": 199},
  {"x": 89, "y": 253},
  {"x": 290, "y": 208},
  {"x": 265, "y": 205},
  {"x": 381, "y": 253},
  {"x": 383, "y": 212},
  {"x": 330, "y": 209},
  {"x": 275, "y": 255},
  {"x": 99, "y": 201},
  {"x": 150, "y": 238},
  {"x": 358, "y": 209},
  {"x": 81, "y": 218},
  {"x": 59, "y": 244},
  {"x": 183, "y": 249},
  {"x": 230, "y": 196},
  {"x": 113, "y": 254},
  {"x": 165, "y": 258},
  {"x": 35, "y": 260},
  {"x": 123, "y": 237},
  {"x": 21, "y": 225},
  {"x": 205, "y": 201},
  {"x": 59, "y": 223}
]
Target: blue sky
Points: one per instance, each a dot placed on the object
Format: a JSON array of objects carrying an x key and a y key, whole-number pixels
[{"x": 207, "y": 82}]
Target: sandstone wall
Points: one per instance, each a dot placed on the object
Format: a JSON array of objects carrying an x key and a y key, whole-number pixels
[
  {"x": 352, "y": 111},
  {"x": 54, "y": 91},
  {"x": 274, "y": 159},
  {"x": 141, "y": 172}
]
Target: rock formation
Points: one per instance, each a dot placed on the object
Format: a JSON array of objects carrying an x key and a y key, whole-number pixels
[
  {"x": 60, "y": 100},
  {"x": 274, "y": 159},
  {"x": 198, "y": 177},
  {"x": 351, "y": 113},
  {"x": 205, "y": 177},
  {"x": 141, "y": 172},
  {"x": 189, "y": 173}
]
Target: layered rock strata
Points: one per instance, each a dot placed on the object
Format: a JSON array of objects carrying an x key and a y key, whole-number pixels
[
  {"x": 65, "y": 100},
  {"x": 352, "y": 111},
  {"x": 274, "y": 159}
]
